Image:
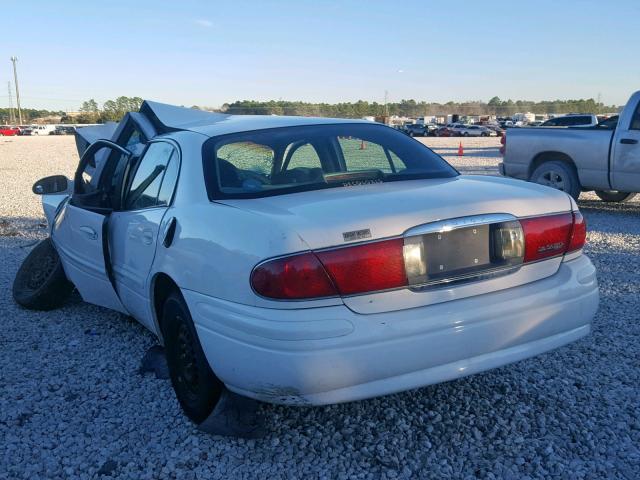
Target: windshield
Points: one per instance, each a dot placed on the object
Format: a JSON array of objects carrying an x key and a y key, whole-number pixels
[{"x": 293, "y": 159}]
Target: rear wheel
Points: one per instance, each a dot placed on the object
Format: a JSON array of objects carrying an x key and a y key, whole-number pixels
[
  {"x": 41, "y": 283},
  {"x": 558, "y": 175},
  {"x": 196, "y": 386},
  {"x": 614, "y": 196}
]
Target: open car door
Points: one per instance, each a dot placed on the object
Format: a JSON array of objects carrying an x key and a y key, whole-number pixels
[{"x": 80, "y": 228}]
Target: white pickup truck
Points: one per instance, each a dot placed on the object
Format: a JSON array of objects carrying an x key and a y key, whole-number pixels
[{"x": 604, "y": 158}]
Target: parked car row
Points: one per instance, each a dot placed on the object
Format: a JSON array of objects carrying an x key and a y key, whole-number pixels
[
  {"x": 33, "y": 130},
  {"x": 451, "y": 130}
]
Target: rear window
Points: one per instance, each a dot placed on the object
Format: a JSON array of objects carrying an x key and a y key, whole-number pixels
[
  {"x": 293, "y": 159},
  {"x": 571, "y": 121}
]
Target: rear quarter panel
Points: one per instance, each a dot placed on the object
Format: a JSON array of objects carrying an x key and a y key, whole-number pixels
[{"x": 216, "y": 247}]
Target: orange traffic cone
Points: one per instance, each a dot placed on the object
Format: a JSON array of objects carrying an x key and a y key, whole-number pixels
[
  {"x": 460, "y": 150},
  {"x": 363, "y": 145}
]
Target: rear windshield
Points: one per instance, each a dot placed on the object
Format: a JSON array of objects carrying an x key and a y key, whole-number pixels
[{"x": 293, "y": 159}]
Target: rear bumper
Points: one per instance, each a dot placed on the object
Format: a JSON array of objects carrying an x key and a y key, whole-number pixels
[{"x": 330, "y": 355}]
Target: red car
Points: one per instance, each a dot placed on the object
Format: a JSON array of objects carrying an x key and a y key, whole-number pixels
[{"x": 9, "y": 131}]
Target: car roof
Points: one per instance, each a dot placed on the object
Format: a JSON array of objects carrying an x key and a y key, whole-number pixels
[{"x": 171, "y": 118}]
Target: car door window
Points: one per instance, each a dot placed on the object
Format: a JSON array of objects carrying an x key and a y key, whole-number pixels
[
  {"x": 144, "y": 189},
  {"x": 169, "y": 180},
  {"x": 363, "y": 155}
]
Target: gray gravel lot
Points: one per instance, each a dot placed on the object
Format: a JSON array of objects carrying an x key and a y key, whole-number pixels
[{"x": 72, "y": 404}]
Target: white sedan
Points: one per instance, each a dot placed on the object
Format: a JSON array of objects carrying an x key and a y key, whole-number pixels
[{"x": 308, "y": 261}]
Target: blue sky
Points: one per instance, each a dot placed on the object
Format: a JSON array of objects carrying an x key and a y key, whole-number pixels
[{"x": 211, "y": 52}]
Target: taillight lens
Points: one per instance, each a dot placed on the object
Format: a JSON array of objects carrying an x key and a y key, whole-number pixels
[
  {"x": 366, "y": 268},
  {"x": 546, "y": 236},
  {"x": 503, "y": 142},
  {"x": 402, "y": 262},
  {"x": 579, "y": 233},
  {"x": 290, "y": 278}
]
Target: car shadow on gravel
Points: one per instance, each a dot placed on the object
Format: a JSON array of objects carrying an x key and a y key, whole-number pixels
[{"x": 609, "y": 207}]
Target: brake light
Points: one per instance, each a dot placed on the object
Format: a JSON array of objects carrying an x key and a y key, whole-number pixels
[
  {"x": 292, "y": 278},
  {"x": 366, "y": 268},
  {"x": 578, "y": 233},
  {"x": 403, "y": 262},
  {"x": 503, "y": 142},
  {"x": 546, "y": 236}
]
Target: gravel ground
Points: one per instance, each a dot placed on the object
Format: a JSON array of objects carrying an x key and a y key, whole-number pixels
[{"x": 72, "y": 404}]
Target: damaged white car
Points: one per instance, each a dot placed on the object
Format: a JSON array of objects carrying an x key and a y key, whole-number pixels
[{"x": 308, "y": 261}]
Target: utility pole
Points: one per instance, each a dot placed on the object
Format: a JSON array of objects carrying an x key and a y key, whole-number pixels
[
  {"x": 15, "y": 78},
  {"x": 11, "y": 115}
]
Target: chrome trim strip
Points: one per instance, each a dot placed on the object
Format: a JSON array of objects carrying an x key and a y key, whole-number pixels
[{"x": 461, "y": 222}]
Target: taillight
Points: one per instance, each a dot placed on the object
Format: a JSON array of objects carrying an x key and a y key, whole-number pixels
[
  {"x": 366, "y": 268},
  {"x": 290, "y": 278},
  {"x": 546, "y": 236},
  {"x": 419, "y": 259},
  {"x": 503, "y": 142},
  {"x": 579, "y": 233}
]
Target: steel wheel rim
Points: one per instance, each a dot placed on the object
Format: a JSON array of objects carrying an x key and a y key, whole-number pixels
[
  {"x": 553, "y": 179},
  {"x": 187, "y": 368}
]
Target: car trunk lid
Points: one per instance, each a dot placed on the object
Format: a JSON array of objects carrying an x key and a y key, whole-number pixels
[{"x": 343, "y": 216}]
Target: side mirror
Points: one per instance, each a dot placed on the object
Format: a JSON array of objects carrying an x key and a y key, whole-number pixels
[{"x": 53, "y": 184}]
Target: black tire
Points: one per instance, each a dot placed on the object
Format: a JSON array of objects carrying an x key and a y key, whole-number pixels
[
  {"x": 558, "y": 175},
  {"x": 411, "y": 134},
  {"x": 196, "y": 386},
  {"x": 41, "y": 283},
  {"x": 614, "y": 196}
]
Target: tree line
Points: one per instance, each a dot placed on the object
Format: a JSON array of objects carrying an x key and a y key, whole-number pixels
[
  {"x": 412, "y": 108},
  {"x": 113, "y": 110},
  {"x": 28, "y": 115}
]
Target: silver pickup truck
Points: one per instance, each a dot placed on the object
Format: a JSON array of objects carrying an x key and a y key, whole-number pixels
[{"x": 604, "y": 158}]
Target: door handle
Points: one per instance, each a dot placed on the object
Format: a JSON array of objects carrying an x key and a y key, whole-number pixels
[
  {"x": 629, "y": 141},
  {"x": 169, "y": 232},
  {"x": 147, "y": 237},
  {"x": 89, "y": 232}
]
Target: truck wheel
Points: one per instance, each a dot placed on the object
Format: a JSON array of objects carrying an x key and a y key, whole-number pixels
[
  {"x": 614, "y": 196},
  {"x": 196, "y": 386},
  {"x": 40, "y": 283},
  {"x": 558, "y": 175}
]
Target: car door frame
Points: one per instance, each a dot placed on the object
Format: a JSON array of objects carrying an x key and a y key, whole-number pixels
[{"x": 80, "y": 234}]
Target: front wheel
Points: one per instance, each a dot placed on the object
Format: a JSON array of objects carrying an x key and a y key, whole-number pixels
[
  {"x": 558, "y": 175},
  {"x": 196, "y": 386},
  {"x": 41, "y": 283},
  {"x": 614, "y": 196}
]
